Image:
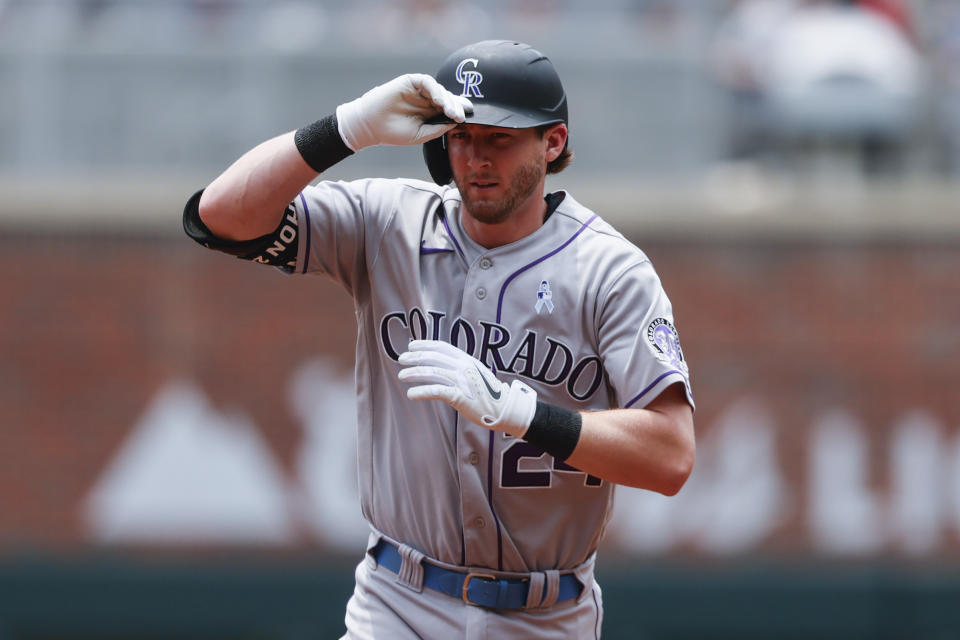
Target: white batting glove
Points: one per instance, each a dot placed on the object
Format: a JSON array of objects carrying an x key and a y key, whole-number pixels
[
  {"x": 395, "y": 113},
  {"x": 444, "y": 372}
]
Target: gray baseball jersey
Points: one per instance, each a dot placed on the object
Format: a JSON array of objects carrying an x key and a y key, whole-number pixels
[{"x": 574, "y": 310}]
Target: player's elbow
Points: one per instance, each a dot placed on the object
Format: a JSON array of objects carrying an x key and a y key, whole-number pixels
[
  {"x": 678, "y": 471},
  {"x": 667, "y": 475},
  {"x": 217, "y": 211},
  {"x": 677, "y": 462}
]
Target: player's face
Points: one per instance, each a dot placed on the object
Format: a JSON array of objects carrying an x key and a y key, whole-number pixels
[{"x": 497, "y": 170}]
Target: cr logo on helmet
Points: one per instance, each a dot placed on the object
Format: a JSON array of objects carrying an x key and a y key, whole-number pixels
[{"x": 469, "y": 79}]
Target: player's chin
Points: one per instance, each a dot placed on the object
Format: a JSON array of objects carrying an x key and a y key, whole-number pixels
[{"x": 487, "y": 211}]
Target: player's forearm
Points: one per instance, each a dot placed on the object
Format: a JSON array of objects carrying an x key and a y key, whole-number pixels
[
  {"x": 636, "y": 447},
  {"x": 650, "y": 448},
  {"x": 249, "y": 198}
]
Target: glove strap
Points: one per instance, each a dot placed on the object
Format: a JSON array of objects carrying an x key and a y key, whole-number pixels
[
  {"x": 518, "y": 411},
  {"x": 352, "y": 127}
]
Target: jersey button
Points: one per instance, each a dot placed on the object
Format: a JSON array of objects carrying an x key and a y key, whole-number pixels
[
  {"x": 474, "y": 458},
  {"x": 486, "y": 263},
  {"x": 481, "y": 293},
  {"x": 480, "y": 524}
]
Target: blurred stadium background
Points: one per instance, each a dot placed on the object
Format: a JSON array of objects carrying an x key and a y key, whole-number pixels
[{"x": 176, "y": 427}]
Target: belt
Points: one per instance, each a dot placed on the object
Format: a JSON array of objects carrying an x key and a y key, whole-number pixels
[{"x": 475, "y": 588}]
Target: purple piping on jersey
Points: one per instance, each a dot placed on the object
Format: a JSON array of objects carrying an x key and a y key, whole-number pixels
[
  {"x": 503, "y": 289},
  {"x": 428, "y": 250},
  {"x": 446, "y": 226},
  {"x": 651, "y": 386},
  {"x": 496, "y": 519},
  {"x": 456, "y": 448},
  {"x": 596, "y": 628},
  {"x": 306, "y": 215}
]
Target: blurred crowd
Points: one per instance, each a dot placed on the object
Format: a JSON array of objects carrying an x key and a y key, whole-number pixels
[
  {"x": 859, "y": 79},
  {"x": 355, "y": 24}
]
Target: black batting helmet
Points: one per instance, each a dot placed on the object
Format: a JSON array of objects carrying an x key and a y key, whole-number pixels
[{"x": 510, "y": 84}]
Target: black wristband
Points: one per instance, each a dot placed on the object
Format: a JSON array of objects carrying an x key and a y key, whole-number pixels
[
  {"x": 320, "y": 144},
  {"x": 554, "y": 429}
]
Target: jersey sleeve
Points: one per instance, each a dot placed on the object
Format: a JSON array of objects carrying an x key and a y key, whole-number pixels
[
  {"x": 638, "y": 339},
  {"x": 341, "y": 224}
]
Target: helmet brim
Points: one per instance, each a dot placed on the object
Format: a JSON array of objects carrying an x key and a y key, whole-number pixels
[{"x": 493, "y": 115}]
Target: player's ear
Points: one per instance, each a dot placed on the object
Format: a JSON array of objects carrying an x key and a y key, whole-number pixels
[{"x": 556, "y": 140}]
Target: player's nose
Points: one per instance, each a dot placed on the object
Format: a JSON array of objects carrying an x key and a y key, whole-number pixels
[{"x": 477, "y": 154}]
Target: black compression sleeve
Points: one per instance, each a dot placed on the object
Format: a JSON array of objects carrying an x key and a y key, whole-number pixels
[
  {"x": 278, "y": 248},
  {"x": 320, "y": 144},
  {"x": 555, "y": 430}
]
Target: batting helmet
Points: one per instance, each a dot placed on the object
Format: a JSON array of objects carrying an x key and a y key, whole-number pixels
[{"x": 510, "y": 84}]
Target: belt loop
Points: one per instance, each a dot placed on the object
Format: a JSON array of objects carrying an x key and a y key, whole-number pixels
[
  {"x": 536, "y": 590},
  {"x": 553, "y": 588},
  {"x": 411, "y": 569},
  {"x": 584, "y": 574},
  {"x": 372, "y": 541}
]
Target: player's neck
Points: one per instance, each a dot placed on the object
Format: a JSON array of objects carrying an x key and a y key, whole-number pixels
[{"x": 522, "y": 221}]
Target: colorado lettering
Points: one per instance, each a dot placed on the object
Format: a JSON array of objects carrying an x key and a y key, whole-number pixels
[
  {"x": 524, "y": 354},
  {"x": 543, "y": 359},
  {"x": 490, "y": 348},
  {"x": 462, "y": 328},
  {"x": 385, "y": 341},
  {"x": 548, "y": 363},
  {"x": 418, "y": 325},
  {"x": 578, "y": 373}
]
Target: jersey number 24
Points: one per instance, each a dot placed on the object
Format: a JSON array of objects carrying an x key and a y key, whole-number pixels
[{"x": 511, "y": 476}]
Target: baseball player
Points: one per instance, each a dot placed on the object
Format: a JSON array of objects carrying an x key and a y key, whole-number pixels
[{"x": 516, "y": 356}]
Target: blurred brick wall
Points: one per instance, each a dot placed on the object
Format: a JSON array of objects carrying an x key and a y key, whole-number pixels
[
  {"x": 872, "y": 330},
  {"x": 92, "y": 327}
]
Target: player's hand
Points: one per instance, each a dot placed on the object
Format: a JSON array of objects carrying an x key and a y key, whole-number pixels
[
  {"x": 396, "y": 113},
  {"x": 444, "y": 372}
]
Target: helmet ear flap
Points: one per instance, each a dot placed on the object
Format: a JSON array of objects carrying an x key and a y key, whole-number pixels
[{"x": 438, "y": 162}]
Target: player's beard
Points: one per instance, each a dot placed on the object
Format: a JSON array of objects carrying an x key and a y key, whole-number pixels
[{"x": 524, "y": 182}]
